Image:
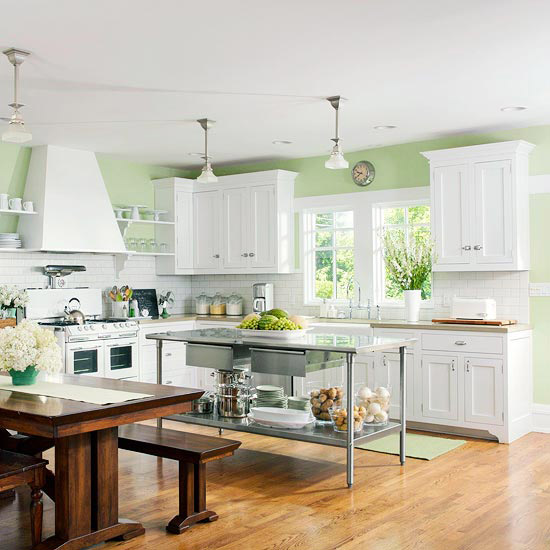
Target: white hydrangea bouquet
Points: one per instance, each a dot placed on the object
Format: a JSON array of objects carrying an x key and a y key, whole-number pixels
[
  {"x": 11, "y": 299},
  {"x": 27, "y": 349}
]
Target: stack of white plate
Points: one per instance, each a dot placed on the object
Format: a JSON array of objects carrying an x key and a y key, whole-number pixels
[
  {"x": 273, "y": 417},
  {"x": 271, "y": 396},
  {"x": 10, "y": 240}
]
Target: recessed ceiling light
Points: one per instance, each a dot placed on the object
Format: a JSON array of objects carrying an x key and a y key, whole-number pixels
[
  {"x": 196, "y": 154},
  {"x": 386, "y": 127},
  {"x": 513, "y": 108},
  {"x": 281, "y": 142}
]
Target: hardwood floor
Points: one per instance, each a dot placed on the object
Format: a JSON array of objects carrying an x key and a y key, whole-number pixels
[{"x": 276, "y": 494}]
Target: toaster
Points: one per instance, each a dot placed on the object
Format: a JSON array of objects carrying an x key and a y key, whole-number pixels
[{"x": 473, "y": 308}]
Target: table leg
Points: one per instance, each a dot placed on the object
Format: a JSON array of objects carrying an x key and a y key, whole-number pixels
[
  {"x": 350, "y": 403},
  {"x": 159, "y": 373},
  {"x": 86, "y": 492},
  {"x": 402, "y": 402}
]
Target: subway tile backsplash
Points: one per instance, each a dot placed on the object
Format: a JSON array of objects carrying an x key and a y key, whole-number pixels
[{"x": 509, "y": 289}]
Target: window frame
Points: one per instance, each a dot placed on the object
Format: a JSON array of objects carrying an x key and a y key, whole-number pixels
[
  {"x": 310, "y": 248},
  {"x": 378, "y": 259}
]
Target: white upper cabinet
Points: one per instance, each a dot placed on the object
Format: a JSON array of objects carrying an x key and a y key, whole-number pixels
[
  {"x": 480, "y": 207},
  {"x": 242, "y": 224}
]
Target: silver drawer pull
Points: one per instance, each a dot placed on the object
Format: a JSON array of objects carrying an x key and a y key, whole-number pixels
[
  {"x": 167, "y": 355},
  {"x": 460, "y": 343},
  {"x": 478, "y": 247},
  {"x": 453, "y": 365},
  {"x": 467, "y": 247},
  {"x": 252, "y": 254},
  {"x": 270, "y": 350},
  {"x": 245, "y": 255}
]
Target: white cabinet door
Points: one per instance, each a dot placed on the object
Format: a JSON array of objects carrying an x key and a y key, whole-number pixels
[
  {"x": 440, "y": 386},
  {"x": 235, "y": 224},
  {"x": 450, "y": 211},
  {"x": 391, "y": 361},
  {"x": 184, "y": 232},
  {"x": 493, "y": 222},
  {"x": 483, "y": 390},
  {"x": 263, "y": 227},
  {"x": 206, "y": 216}
]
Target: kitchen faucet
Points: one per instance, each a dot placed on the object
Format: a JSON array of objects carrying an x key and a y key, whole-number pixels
[{"x": 359, "y": 306}]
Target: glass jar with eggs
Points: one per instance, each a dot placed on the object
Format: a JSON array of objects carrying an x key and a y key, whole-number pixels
[{"x": 376, "y": 403}]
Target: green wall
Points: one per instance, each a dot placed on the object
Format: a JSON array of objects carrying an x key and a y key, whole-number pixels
[{"x": 396, "y": 166}]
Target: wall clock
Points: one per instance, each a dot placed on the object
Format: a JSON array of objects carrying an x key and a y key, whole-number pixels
[{"x": 363, "y": 173}]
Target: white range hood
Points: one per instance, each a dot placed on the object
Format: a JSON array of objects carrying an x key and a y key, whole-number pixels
[{"x": 74, "y": 212}]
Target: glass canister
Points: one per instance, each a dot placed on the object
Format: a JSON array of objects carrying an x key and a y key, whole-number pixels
[
  {"x": 217, "y": 307},
  {"x": 202, "y": 304},
  {"x": 234, "y": 305}
]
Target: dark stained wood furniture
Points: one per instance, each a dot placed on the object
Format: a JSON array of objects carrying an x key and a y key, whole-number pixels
[
  {"x": 86, "y": 452},
  {"x": 17, "y": 470},
  {"x": 192, "y": 451}
]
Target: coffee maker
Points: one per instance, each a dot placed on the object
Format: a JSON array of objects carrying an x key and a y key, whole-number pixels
[{"x": 262, "y": 297}]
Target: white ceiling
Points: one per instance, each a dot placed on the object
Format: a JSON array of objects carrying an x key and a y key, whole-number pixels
[{"x": 262, "y": 68}]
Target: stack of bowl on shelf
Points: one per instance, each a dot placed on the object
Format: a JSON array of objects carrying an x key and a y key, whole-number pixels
[
  {"x": 299, "y": 403},
  {"x": 274, "y": 417},
  {"x": 270, "y": 396}
]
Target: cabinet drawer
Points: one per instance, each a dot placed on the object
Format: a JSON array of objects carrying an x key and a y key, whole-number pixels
[{"x": 460, "y": 342}]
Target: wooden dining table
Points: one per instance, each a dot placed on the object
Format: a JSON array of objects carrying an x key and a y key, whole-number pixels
[{"x": 85, "y": 436}]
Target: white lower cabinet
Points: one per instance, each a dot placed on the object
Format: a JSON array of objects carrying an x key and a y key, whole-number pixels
[
  {"x": 463, "y": 381},
  {"x": 483, "y": 390},
  {"x": 439, "y": 386}
]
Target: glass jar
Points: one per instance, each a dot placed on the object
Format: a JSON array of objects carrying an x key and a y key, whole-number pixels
[
  {"x": 217, "y": 307},
  {"x": 374, "y": 404},
  {"x": 322, "y": 399},
  {"x": 234, "y": 305},
  {"x": 202, "y": 304},
  {"x": 340, "y": 419}
]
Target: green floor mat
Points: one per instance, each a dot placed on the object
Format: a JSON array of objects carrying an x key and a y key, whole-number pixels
[{"x": 425, "y": 447}]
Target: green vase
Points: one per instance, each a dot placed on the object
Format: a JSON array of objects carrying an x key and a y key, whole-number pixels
[
  {"x": 10, "y": 313},
  {"x": 25, "y": 377},
  {"x": 164, "y": 313}
]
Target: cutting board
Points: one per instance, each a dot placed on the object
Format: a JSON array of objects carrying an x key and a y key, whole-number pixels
[
  {"x": 7, "y": 323},
  {"x": 491, "y": 322}
]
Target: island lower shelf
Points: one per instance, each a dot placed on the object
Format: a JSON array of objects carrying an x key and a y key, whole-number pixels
[{"x": 322, "y": 434}]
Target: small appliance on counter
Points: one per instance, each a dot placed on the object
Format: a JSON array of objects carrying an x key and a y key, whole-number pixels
[
  {"x": 262, "y": 297},
  {"x": 473, "y": 308}
]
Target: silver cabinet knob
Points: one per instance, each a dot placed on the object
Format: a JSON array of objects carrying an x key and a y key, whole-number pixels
[
  {"x": 245, "y": 255},
  {"x": 216, "y": 256},
  {"x": 252, "y": 254},
  {"x": 460, "y": 343},
  {"x": 468, "y": 366},
  {"x": 478, "y": 247},
  {"x": 467, "y": 247}
]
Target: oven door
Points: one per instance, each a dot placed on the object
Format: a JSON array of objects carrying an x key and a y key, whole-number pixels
[
  {"x": 85, "y": 358},
  {"x": 121, "y": 358}
]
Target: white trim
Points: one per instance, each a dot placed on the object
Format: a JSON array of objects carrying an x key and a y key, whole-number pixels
[
  {"x": 472, "y": 151},
  {"x": 539, "y": 184},
  {"x": 541, "y": 418}
]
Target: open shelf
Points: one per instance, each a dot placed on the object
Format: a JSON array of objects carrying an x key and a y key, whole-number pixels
[
  {"x": 17, "y": 212},
  {"x": 322, "y": 434},
  {"x": 130, "y": 221}
]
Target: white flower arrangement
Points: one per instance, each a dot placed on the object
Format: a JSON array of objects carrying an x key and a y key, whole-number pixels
[
  {"x": 26, "y": 345},
  {"x": 11, "y": 296},
  {"x": 409, "y": 263}
]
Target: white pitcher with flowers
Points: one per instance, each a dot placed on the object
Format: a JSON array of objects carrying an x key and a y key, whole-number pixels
[
  {"x": 409, "y": 263},
  {"x": 27, "y": 349}
]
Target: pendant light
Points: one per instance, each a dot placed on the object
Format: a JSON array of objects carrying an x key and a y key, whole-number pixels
[
  {"x": 336, "y": 160},
  {"x": 207, "y": 174},
  {"x": 16, "y": 133}
]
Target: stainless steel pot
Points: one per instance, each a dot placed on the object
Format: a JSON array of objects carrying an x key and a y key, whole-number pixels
[
  {"x": 230, "y": 377},
  {"x": 203, "y": 405},
  {"x": 233, "y": 390},
  {"x": 234, "y": 406}
]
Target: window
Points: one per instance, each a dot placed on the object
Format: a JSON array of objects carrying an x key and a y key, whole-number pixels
[
  {"x": 411, "y": 221},
  {"x": 330, "y": 255}
]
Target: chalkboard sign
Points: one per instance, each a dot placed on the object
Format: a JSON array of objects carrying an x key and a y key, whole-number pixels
[{"x": 147, "y": 298}]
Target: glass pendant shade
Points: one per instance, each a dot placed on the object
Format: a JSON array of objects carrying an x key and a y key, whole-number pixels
[
  {"x": 207, "y": 174},
  {"x": 336, "y": 160},
  {"x": 16, "y": 133}
]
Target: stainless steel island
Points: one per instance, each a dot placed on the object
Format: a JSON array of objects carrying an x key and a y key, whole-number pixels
[{"x": 222, "y": 348}]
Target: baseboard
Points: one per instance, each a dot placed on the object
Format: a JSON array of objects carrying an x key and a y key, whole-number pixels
[{"x": 541, "y": 418}]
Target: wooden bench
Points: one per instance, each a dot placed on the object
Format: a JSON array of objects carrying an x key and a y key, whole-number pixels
[
  {"x": 192, "y": 451},
  {"x": 17, "y": 470}
]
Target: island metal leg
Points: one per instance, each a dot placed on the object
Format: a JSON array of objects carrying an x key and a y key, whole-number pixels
[
  {"x": 350, "y": 403},
  {"x": 402, "y": 402},
  {"x": 159, "y": 373}
]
